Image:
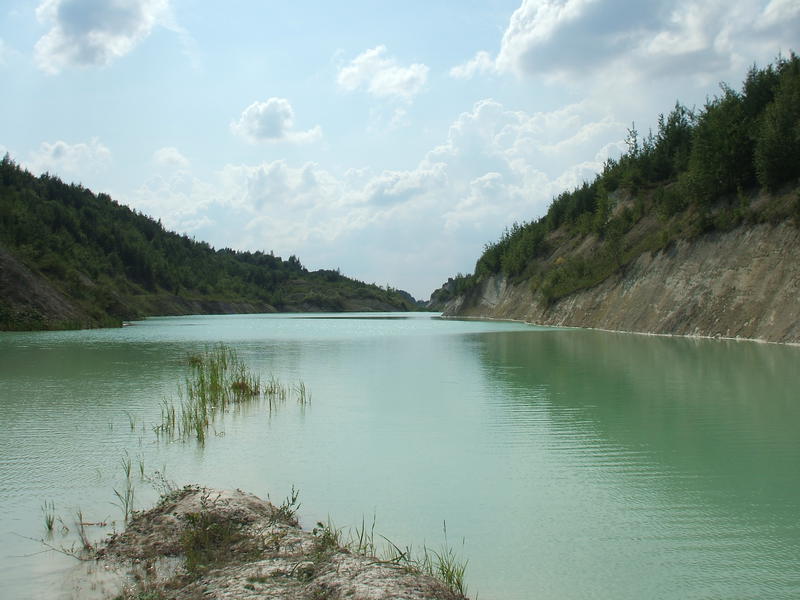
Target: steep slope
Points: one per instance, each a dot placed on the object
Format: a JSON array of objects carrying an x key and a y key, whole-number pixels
[
  {"x": 693, "y": 231},
  {"x": 70, "y": 258},
  {"x": 740, "y": 283}
]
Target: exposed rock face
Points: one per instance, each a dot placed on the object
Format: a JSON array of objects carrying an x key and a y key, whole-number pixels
[{"x": 743, "y": 283}]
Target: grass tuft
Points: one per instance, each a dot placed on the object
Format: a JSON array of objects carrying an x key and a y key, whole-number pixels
[
  {"x": 208, "y": 538},
  {"x": 49, "y": 512},
  {"x": 218, "y": 380}
]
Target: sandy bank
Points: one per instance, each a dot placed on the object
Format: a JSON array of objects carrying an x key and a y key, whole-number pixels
[{"x": 203, "y": 543}]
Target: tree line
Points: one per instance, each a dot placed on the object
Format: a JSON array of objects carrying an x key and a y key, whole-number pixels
[
  {"x": 104, "y": 255},
  {"x": 695, "y": 159}
]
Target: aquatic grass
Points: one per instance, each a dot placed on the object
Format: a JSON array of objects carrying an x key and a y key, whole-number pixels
[
  {"x": 49, "y": 512},
  {"x": 217, "y": 380},
  {"x": 275, "y": 392},
  {"x": 127, "y": 495},
  {"x": 131, "y": 420},
  {"x": 80, "y": 524},
  {"x": 303, "y": 395}
]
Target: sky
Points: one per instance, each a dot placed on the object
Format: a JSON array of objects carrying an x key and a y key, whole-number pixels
[{"x": 391, "y": 140}]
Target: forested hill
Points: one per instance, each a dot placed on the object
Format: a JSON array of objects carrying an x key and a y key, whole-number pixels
[
  {"x": 706, "y": 179},
  {"x": 71, "y": 258}
]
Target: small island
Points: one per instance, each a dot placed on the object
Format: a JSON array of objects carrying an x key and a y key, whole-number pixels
[{"x": 199, "y": 542}]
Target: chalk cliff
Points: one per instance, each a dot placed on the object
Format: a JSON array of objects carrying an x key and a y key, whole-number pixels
[{"x": 741, "y": 283}]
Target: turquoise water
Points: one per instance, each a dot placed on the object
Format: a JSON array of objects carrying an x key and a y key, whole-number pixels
[{"x": 565, "y": 463}]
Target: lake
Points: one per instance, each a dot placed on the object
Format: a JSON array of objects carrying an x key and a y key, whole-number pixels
[{"x": 563, "y": 463}]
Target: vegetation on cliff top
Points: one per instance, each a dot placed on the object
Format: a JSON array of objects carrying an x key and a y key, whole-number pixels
[
  {"x": 112, "y": 263},
  {"x": 736, "y": 160}
]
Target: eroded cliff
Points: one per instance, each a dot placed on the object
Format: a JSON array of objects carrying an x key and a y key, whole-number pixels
[{"x": 741, "y": 283}]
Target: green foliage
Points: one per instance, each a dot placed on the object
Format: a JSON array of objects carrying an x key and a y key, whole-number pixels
[
  {"x": 119, "y": 264},
  {"x": 690, "y": 171},
  {"x": 777, "y": 152},
  {"x": 722, "y": 150},
  {"x": 209, "y": 537}
]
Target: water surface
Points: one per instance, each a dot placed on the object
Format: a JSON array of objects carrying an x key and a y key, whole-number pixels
[{"x": 565, "y": 463}]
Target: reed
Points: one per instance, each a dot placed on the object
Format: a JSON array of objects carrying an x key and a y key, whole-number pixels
[
  {"x": 217, "y": 381},
  {"x": 126, "y": 496},
  {"x": 49, "y": 512},
  {"x": 303, "y": 395},
  {"x": 80, "y": 525},
  {"x": 275, "y": 392},
  {"x": 131, "y": 420}
]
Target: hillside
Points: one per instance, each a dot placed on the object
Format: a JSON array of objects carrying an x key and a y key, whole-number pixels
[
  {"x": 70, "y": 258},
  {"x": 693, "y": 231}
]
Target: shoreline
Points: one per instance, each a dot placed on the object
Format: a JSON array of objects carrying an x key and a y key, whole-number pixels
[{"x": 645, "y": 333}]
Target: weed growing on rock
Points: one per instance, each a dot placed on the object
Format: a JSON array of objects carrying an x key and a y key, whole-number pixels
[
  {"x": 208, "y": 537},
  {"x": 287, "y": 511}
]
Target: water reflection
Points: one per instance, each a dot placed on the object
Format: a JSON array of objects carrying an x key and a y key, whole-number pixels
[
  {"x": 687, "y": 449},
  {"x": 573, "y": 463}
]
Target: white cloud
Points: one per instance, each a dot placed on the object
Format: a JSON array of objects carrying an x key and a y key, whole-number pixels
[
  {"x": 779, "y": 11},
  {"x": 272, "y": 121},
  {"x": 382, "y": 76},
  {"x": 495, "y": 166},
  {"x": 276, "y": 184},
  {"x": 170, "y": 157},
  {"x": 69, "y": 159},
  {"x": 93, "y": 32},
  {"x": 391, "y": 187},
  {"x": 598, "y": 39},
  {"x": 480, "y": 64},
  {"x": 182, "y": 202}
]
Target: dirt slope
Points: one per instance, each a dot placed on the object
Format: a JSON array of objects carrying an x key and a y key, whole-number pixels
[{"x": 742, "y": 283}]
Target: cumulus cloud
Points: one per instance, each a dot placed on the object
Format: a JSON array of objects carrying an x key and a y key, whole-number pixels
[
  {"x": 575, "y": 38},
  {"x": 777, "y": 12},
  {"x": 278, "y": 185},
  {"x": 392, "y": 187},
  {"x": 170, "y": 157},
  {"x": 381, "y": 75},
  {"x": 93, "y": 32},
  {"x": 480, "y": 64},
  {"x": 69, "y": 159},
  {"x": 495, "y": 166},
  {"x": 183, "y": 202},
  {"x": 272, "y": 121}
]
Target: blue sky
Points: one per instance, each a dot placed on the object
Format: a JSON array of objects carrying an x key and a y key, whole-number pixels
[{"x": 391, "y": 140}]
